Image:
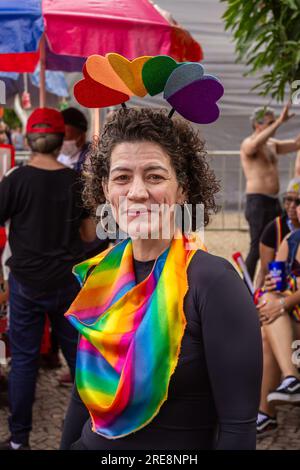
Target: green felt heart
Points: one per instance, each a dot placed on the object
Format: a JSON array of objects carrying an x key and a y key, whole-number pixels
[{"x": 156, "y": 72}]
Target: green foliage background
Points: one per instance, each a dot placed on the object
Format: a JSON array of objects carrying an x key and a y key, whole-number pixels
[
  {"x": 267, "y": 39},
  {"x": 11, "y": 118}
]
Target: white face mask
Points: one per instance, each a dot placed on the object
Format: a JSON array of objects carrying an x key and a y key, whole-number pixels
[{"x": 69, "y": 148}]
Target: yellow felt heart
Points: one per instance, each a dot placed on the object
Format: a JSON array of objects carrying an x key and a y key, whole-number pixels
[
  {"x": 100, "y": 70},
  {"x": 130, "y": 71}
]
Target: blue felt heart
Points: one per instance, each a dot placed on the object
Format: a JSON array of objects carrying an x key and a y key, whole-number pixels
[{"x": 182, "y": 76}]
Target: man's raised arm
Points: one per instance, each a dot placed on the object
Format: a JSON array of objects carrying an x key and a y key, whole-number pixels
[
  {"x": 252, "y": 144},
  {"x": 287, "y": 146}
]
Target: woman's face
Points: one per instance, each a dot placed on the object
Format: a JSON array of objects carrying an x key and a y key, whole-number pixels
[
  {"x": 290, "y": 207},
  {"x": 141, "y": 180}
]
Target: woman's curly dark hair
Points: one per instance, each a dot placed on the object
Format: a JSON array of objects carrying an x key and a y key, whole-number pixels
[{"x": 176, "y": 136}]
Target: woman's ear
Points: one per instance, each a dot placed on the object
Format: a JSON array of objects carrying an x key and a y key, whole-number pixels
[
  {"x": 181, "y": 195},
  {"x": 105, "y": 189}
]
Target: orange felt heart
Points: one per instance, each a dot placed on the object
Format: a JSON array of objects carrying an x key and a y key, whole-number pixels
[
  {"x": 129, "y": 71},
  {"x": 100, "y": 70},
  {"x": 92, "y": 94}
]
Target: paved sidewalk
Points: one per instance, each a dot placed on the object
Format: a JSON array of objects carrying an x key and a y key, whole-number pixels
[
  {"x": 48, "y": 412},
  {"x": 51, "y": 402},
  {"x": 287, "y": 436}
]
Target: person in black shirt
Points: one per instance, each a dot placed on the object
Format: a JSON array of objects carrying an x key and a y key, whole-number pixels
[
  {"x": 74, "y": 154},
  {"x": 210, "y": 403},
  {"x": 43, "y": 203},
  {"x": 277, "y": 229},
  {"x": 270, "y": 241},
  {"x": 213, "y": 395},
  {"x": 279, "y": 313}
]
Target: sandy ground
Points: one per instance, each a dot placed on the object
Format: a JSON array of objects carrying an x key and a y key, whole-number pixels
[{"x": 222, "y": 238}]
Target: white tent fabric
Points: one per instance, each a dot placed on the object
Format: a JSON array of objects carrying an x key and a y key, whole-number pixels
[{"x": 203, "y": 19}]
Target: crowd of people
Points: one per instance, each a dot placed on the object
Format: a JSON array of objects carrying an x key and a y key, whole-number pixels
[
  {"x": 212, "y": 380},
  {"x": 13, "y": 137},
  {"x": 274, "y": 236},
  {"x": 48, "y": 231}
]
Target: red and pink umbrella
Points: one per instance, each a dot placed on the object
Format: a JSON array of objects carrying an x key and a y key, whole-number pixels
[{"x": 62, "y": 34}]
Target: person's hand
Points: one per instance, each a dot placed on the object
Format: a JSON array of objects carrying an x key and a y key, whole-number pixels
[
  {"x": 270, "y": 283},
  {"x": 285, "y": 115},
  {"x": 270, "y": 308}
]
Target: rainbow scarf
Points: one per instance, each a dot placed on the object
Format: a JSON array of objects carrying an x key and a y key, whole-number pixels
[{"x": 130, "y": 335}]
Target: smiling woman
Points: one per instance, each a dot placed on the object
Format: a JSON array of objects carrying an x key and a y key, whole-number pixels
[
  {"x": 163, "y": 362},
  {"x": 141, "y": 181},
  {"x": 174, "y": 139}
]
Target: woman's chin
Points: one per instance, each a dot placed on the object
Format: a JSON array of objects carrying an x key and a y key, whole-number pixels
[{"x": 142, "y": 230}]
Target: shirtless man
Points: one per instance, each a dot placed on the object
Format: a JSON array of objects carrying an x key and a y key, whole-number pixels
[{"x": 259, "y": 162}]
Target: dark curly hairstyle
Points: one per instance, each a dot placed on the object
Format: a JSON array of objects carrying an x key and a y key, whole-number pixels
[{"x": 176, "y": 136}]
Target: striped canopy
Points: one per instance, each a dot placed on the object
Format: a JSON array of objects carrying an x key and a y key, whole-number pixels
[{"x": 75, "y": 29}]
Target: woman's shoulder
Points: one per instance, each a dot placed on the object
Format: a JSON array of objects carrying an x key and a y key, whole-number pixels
[
  {"x": 214, "y": 280},
  {"x": 206, "y": 268}
]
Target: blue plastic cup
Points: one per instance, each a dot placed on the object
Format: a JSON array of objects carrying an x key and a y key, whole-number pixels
[{"x": 277, "y": 270}]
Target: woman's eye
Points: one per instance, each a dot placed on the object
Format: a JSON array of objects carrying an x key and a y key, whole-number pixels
[
  {"x": 121, "y": 178},
  {"x": 155, "y": 177}
]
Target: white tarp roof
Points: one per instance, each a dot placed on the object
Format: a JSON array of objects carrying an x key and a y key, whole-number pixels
[{"x": 202, "y": 18}]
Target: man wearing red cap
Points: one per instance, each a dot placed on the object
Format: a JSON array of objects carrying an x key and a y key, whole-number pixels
[{"x": 47, "y": 225}]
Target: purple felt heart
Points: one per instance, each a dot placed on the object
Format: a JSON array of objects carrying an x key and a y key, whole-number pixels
[{"x": 197, "y": 101}]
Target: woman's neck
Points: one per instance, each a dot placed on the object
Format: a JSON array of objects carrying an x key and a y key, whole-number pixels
[{"x": 147, "y": 249}]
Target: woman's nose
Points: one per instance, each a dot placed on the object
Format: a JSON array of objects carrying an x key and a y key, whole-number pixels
[{"x": 137, "y": 190}]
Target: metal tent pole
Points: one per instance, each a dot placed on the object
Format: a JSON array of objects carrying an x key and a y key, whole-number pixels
[{"x": 42, "y": 73}]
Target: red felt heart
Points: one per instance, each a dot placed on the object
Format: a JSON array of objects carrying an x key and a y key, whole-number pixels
[
  {"x": 92, "y": 94},
  {"x": 85, "y": 72}
]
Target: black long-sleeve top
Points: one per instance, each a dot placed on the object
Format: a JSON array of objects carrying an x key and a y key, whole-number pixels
[{"x": 214, "y": 392}]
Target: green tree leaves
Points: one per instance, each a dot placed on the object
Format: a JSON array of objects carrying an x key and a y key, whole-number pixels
[{"x": 267, "y": 39}]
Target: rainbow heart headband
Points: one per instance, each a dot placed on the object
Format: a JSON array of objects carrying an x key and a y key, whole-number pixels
[{"x": 113, "y": 80}]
